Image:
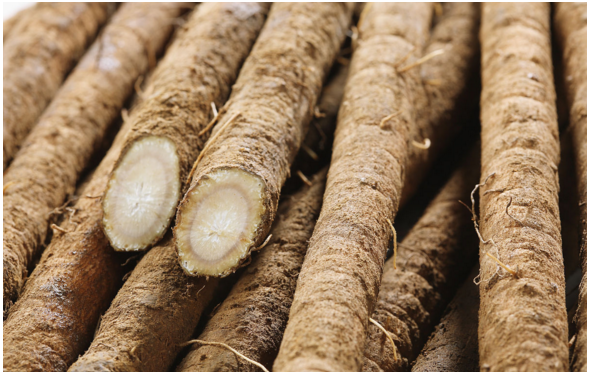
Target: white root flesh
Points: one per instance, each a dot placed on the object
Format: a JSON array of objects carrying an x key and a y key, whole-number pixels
[
  {"x": 220, "y": 222},
  {"x": 142, "y": 194}
]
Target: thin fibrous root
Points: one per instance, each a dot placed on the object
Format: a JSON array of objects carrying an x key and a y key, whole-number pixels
[
  {"x": 362, "y": 15},
  {"x": 423, "y": 146},
  {"x": 212, "y": 343},
  {"x": 510, "y": 216},
  {"x": 433, "y": 82},
  {"x": 312, "y": 154},
  {"x": 572, "y": 341},
  {"x": 211, "y": 140},
  {"x": 212, "y": 122},
  {"x": 354, "y": 37},
  {"x": 404, "y": 58},
  {"x": 263, "y": 244},
  {"x": 507, "y": 268},
  {"x": 60, "y": 210},
  {"x": 8, "y": 184},
  {"x": 476, "y": 187},
  {"x": 214, "y": 108},
  {"x": 395, "y": 356},
  {"x": 342, "y": 61},
  {"x": 476, "y": 227},
  {"x": 387, "y": 118},
  {"x": 55, "y": 227},
  {"x": 394, "y": 243},
  {"x": 421, "y": 60},
  {"x": 142, "y": 194},
  {"x": 317, "y": 113},
  {"x": 304, "y": 178}
]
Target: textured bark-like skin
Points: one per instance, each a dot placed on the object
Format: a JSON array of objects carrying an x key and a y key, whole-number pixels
[
  {"x": 73, "y": 127},
  {"x": 338, "y": 284},
  {"x": 11, "y": 22},
  {"x": 570, "y": 21},
  {"x": 253, "y": 317},
  {"x": 453, "y": 346},
  {"x": 275, "y": 95},
  {"x": 153, "y": 314},
  {"x": 445, "y": 79},
  {"x": 432, "y": 260},
  {"x": 320, "y": 134},
  {"x": 523, "y": 320},
  {"x": 54, "y": 320},
  {"x": 199, "y": 68},
  {"x": 37, "y": 58}
]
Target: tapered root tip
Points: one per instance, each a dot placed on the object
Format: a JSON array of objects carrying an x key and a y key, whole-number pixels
[
  {"x": 219, "y": 222},
  {"x": 142, "y": 194}
]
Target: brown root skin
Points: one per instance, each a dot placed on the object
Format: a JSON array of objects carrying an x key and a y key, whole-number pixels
[
  {"x": 73, "y": 129},
  {"x": 433, "y": 259},
  {"x": 523, "y": 320},
  {"x": 453, "y": 346},
  {"x": 317, "y": 143},
  {"x": 55, "y": 37},
  {"x": 345, "y": 258},
  {"x": 152, "y": 316},
  {"x": 253, "y": 317},
  {"x": 72, "y": 285},
  {"x": 209, "y": 50},
  {"x": 442, "y": 106},
  {"x": 570, "y": 23},
  {"x": 272, "y": 104}
]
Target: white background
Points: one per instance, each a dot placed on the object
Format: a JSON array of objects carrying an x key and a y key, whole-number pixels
[{"x": 10, "y": 9}]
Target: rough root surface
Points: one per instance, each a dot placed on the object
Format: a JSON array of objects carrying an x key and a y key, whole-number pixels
[
  {"x": 523, "y": 320},
  {"x": 54, "y": 320},
  {"x": 37, "y": 58},
  {"x": 45, "y": 171},
  {"x": 453, "y": 346},
  {"x": 338, "y": 285},
  {"x": 270, "y": 106},
  {"x": 442, "y": 103},
  {"x": 253, "y": 317},
  {"x": 153, "y": 314},
  {"x": 198, "y": 69},
  {"x": 570, "y": 21},
  {"x": 432, "y": 260},
  {"x": 317, "y": 143}
]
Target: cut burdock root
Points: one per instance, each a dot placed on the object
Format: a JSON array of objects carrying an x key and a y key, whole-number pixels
[
  {"x": 236, "y": 180},
  {"x": 171, "y": 125},
  {"x": 221, "y": 221},
  {"x": 142, "y": 194}
]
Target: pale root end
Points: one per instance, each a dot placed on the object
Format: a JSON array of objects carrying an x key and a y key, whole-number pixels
[
  {"x": 142, "y": 194},
  {"x": 220, "y": 220}
]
